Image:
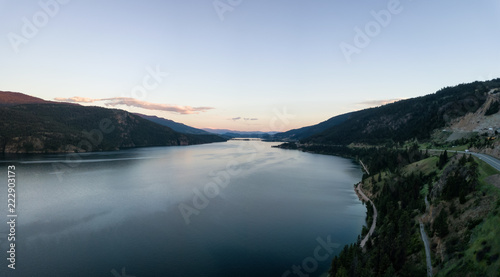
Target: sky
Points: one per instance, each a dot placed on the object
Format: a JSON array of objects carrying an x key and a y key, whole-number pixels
[{"x": 246, "y": 65}]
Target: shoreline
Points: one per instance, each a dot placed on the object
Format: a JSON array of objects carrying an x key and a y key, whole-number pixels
[{"x": 365, "y": 199}]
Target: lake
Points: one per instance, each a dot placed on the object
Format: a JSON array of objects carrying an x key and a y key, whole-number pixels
[{"x": 239, "y": 208}]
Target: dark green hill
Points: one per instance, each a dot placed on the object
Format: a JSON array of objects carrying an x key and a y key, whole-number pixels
[
  {"x": 304, "y": 132},
  {"x": 178, "y": 127},
  {"x": 48, "y": 127},
  {"x": 407, "y": 119}
]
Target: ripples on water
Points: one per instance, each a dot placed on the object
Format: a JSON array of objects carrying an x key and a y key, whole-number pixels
[{"x": 95, "y": 214}]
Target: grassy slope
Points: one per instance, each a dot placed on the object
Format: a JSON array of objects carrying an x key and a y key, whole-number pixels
[
  {"x": 425, "y": 166},
  {"x": 489, "y": 230},
  {"x": 486, "y": 234}
]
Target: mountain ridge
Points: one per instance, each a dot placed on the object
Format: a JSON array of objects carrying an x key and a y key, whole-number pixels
[
  {"x": 40, "y": 126},
  {"x": 304, "y": 132},
  {"x": 240, "y": 134},
  {"x": 10, "y": 98},
  {"x": 176, "y": 126},
  {"x": 414, "y": 118}
]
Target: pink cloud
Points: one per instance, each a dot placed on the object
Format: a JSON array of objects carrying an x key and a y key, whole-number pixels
[
  {"x": 381, "y": 102},
  {"x": 132, "y": 102},
  {"x": 76, "y": 99}
]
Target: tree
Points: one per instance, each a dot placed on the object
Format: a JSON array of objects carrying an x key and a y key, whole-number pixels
[
  {"x": 471, "y": 159},
  {"x": 443, "y": 159},
  {"x": 493, "y": 109},
  {"x": 342, "y": 272},
  {"x": 441, "y": 225},
  {"x": 463, "y": 160}
]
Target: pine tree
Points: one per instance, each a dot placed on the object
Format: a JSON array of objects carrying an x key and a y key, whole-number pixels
[{"x": 441, "y": 225}]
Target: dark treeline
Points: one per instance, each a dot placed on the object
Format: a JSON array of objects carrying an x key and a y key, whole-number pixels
[
  {"x": 478, "y": 141},
  {"x": 395, "y": 244},
  {"x": 462, "y": 180},
  {"x": 52, "y": 127},
  {"x": 395, "y": 249},
  {"x": 493, "y": 109},
  {"x": 377, "y": 159}
]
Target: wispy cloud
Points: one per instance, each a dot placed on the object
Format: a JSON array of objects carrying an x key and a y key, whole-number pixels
[
  {"x": 132, "y": 102},
  {"x": 374, "y": 103},
  {"x": 245, "y": 118},
  {"x": 76, "y": 99}
]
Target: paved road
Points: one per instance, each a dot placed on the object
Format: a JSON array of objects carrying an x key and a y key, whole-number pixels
[
  {"x": 494, "y": 162},
  {"x": 372, "y": 228},
  {"x": 427, "y": 249}
]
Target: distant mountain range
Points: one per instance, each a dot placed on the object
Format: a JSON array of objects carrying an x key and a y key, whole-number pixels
[
  {"x": 29, "y": 124},
  {"x": 33, "y": 125},
  {"x": 240, "y": 134},
  {"x": 185, "y": 129},
  {"x": 415, "y": 118}
]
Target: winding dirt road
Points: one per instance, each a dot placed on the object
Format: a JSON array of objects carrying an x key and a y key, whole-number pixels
[
  {"x": 372, "y": 228},
  {"x": 427, "y": 249}
]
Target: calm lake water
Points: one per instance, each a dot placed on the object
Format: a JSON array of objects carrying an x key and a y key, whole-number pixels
[{"x": 239, "y": 208}]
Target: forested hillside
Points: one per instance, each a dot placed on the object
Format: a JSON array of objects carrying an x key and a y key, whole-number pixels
[
  {"x": 304, "y": 132},
  {"x": 49, "y": 127},
  {"x": 414, "y": 118},
  {"x": 453, "y": 198}
]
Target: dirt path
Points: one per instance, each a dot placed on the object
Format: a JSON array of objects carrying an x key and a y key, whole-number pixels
[
  {"x": 372, "y": 228},
  {"x": 427, "y": 249},
  {"x": 366, "y": 169}
]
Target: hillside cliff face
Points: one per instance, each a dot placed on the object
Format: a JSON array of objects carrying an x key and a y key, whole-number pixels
[
  {"x": 478, "y": 121},
  {"x": 45, "y": 127},
  {"x": 477, "y": 131}
]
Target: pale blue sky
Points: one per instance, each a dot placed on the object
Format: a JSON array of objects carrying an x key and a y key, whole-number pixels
[{"x": 264, "y": 56}]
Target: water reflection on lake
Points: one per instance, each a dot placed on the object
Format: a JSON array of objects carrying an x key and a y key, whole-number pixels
[{"x": 100, "y": 213}]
